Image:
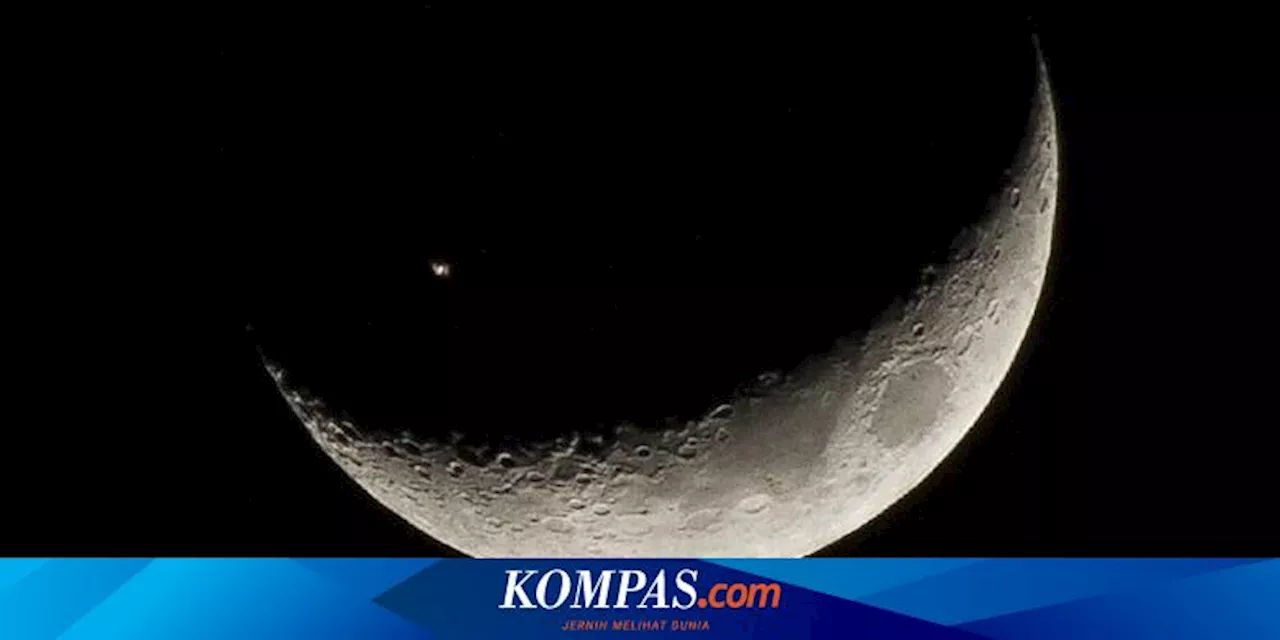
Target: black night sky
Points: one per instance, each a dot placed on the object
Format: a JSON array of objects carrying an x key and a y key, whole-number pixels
[{"x": 344, "y": 150}]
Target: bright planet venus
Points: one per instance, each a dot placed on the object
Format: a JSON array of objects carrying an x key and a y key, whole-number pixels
[{"x": 751, "y": 390}]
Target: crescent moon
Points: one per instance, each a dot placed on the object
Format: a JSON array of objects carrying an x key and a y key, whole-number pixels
[{"x": 865, "y": 422}]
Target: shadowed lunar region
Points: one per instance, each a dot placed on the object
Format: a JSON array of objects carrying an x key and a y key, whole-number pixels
[{"x": 762, "y": 386}]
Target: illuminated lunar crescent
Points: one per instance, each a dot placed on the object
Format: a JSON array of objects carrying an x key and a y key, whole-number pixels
[{"x": 829, "y": 446}]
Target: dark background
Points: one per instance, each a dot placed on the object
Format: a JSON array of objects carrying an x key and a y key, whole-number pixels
[{"x": 144, "y": 424}]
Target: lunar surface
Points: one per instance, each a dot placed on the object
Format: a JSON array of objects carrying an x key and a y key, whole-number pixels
[{"x": 796, "y": 460}]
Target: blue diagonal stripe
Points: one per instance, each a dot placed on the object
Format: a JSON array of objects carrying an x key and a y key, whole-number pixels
[
  {"x": 48, "y": 600},
  {"x": 366, "y": 577},
  {"x": 13, "y": 570},
  {"x": 1238, "y": 602},
  {"x": 237, "y": 599},
  {"x": 1005, "y": 585}
]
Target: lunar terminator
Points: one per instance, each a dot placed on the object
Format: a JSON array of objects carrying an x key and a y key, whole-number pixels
[{"x": 796, "y": 460}]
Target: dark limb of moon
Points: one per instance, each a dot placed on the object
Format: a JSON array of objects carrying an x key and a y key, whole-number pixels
[{"x": 631, "y": 409}]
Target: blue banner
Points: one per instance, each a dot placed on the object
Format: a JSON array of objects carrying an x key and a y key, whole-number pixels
[{"x": 448, "y": 599}]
